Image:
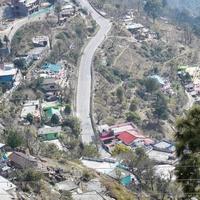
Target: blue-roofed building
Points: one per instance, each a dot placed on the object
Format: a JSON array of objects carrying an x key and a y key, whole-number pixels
[
  {"x": 7, "y": 74},
  {"x": 121, "y": 175},
  {"x": 53, "y": 68},
  {"x": 164, "y": 146}
]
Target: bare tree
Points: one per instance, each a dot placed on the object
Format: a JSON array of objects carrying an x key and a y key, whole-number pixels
[
  {"x": 187, "y": 35},
  {"x": 57, "y": 11},
  {"x": 100, "y": 113},
  {"x": 31, "y": 139}
]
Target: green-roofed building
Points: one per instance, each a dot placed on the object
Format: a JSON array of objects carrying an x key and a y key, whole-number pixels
[
  {"x": 49, "y": 133},
  {"x": 182, "y": 67},
  {"x": 49, "y": 112}
]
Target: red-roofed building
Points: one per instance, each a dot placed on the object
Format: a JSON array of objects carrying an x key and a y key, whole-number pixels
[
  {"x": 136, "y": 133},
  {"x": 126, "y": 133},
  {"x": 126, "y": 138},
  {"x": 106, "y": 134},
  {"x": 107, "y": 139},
  {"x": 120, "y": 128}
]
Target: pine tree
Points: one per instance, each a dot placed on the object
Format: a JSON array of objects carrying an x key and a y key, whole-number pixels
[{"x": 188, "y": 149}]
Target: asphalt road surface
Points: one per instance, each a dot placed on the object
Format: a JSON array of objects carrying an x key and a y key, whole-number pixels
[{"x": 84, "y": 79}]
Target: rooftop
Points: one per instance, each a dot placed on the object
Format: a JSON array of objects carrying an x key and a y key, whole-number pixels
[
  {"x": 182, "y": 67},
  {"x": 56, "y": 143},
  {"x": 192, "y": 71},
  {"x": 48, "y": 81},
  {"x": 11, "y": 72},
  {"x": 114, "y": 173},
  {"x": 165, "y": 172},
  {"x": 87, "y": 196},
  {"x": 1, "y": 145},
  {"x": 54, "y": 68},
  {"x": 36, "y": 50},
  {"x": 27, "y": 2},
  {"x": 51, "y": 111},
  {"x": 163, "y": 145},
  {"x": 102, "y": 167},
  {"x": 39, "y": 39},
  {"x": 103, "y": 127},
  {"x": 67, "y": 185},
  {"x": 8, "y": 66},
  {"x": 7, "y": 69},
  {"x": 123, "y": 127},
  {"x": 161, "y": 157},
  {"x": 32, "y": 103},
  {"x": 134, "y": 26},
  {"x": 6, "y": 185},
  {"x": 126, "y": 138},
  {"x": 94, "y": 185},
  {"x": 24, "y": 156},
  {"x": 136, "y": 133},
  {"x": 6, "y": 195},
  {"x": 48, "y": 129},
  {"x": 67, "y": 6},
  {"x": 53, "y": 104},
  {"x": 30, "y": 107}
]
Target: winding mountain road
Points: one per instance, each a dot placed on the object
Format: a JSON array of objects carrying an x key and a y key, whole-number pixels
[
  {"x": 83, "y": 99},
  {"x": 18, "y": 23},
  {"x": 10, "y": 32}
]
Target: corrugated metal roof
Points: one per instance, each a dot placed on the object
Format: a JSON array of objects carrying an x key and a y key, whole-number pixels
[{"x": 46, "y": 130}]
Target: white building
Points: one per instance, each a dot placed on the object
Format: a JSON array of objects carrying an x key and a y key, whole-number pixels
[
  {"x": 67, "y": 10},
  {"x": 7, "y": 189},
  {"x": 8, "y": 74},
  {"x": 31, "y": 107},
  {"x": 41, "y": 41}
]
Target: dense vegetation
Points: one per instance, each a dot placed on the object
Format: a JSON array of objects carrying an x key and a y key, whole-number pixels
[{"x": 188, "y": 149}]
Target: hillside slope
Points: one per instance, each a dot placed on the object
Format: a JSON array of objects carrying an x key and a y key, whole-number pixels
[{"x": 193, "y": 6}]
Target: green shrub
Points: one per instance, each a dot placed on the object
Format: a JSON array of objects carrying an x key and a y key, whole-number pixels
[
  {"x": 67, "y": 109},
  {"x": 20, "y": 63},
  {"x": 133, "y": 117},
  {"x": 120, "y": 94},
  {"x": 14, "y": 139},
  {"x": 31, "y": 175},
  {"x": 133, "y": 105},
  {"x": 30, "y": 118},
  {"x": 151, "y": 85},
  {"x": 90, "y": 150},
  {"x": 74, "y": 124},
  {"x": 55, "y": 119}
]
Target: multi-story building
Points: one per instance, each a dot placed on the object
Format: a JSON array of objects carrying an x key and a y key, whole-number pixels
[
  {"x": 24, "y": 7},
  {"x": 8, "y": 74}
]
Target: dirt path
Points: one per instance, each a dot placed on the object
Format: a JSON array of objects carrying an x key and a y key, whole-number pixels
[{"x": 118, "y": 57}]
